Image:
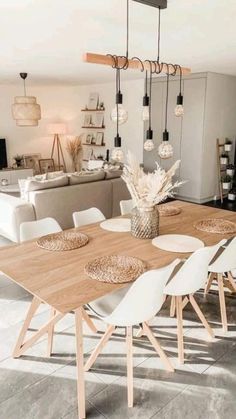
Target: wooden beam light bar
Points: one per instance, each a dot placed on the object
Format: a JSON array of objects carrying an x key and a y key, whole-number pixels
[{"x": 92, "y": 58}]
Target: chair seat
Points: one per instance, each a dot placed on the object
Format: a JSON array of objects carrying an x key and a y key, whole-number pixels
[{"x": 104, "y": 306}]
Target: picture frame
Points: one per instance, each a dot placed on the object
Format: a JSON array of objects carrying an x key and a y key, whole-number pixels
[
  {"x": 87, "y": 120},
  {"x": 99, "y": 138},
  {"x": 99, "y": 122},
  {"x": 93, "y": 100},
  {"x": 88, "y": 139},
  {"x": 46, "y": 165},
  {"x": 31, "y": 161}
]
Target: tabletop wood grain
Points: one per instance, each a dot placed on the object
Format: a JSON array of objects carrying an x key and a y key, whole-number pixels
[{"x": 58, "y": 278}]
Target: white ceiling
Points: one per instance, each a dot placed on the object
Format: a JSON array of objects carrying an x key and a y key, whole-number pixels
[{"x": 47, "y": 38}]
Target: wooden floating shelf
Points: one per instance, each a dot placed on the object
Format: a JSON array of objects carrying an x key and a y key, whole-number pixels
[
  {"x": 94, "y": 145},
  {"x": 93, "y": 127},
  {"x": 92, "y": 110},
  {"x": 92, "y": 58}
]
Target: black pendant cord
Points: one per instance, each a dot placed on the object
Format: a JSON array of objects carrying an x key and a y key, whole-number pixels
[
  {"x": 146, "y": 82},
  {"x": 127, "y": 31},
  {"x": 180, "y": 80},
  {"x": 24, "y": 87},
  {"x": 167, "y": 100},
  {"x": 159, "y": 35},
  {"x": 117, "y": 104},
  {"x": 150, "y": 102}
]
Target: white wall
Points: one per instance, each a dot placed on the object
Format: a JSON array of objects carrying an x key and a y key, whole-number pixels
[
  {"x": 63, "y": 104},
  {"x": 220, "y": 122}
]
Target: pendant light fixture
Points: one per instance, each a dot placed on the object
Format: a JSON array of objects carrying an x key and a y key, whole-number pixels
[
  {"x": 117, "y": 153},
  {"x": 179, "y": 109},
  {"x": 145, "y": 113},
  {"x": 149, "y": 144},
  {"x": 25, "y": 110},
  {"x": 165, "y": 149},
  {"x": 119, "y": 112}
]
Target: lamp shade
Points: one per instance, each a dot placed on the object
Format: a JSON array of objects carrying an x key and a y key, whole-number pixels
[
  {"x": 26, "y": 111},
  {"x": 56, "y": 129}
]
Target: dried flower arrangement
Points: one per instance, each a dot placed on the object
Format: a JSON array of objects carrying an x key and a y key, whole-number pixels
[
  {"x": 75, "y": 150},
  {"x": 149, "y": 189}
]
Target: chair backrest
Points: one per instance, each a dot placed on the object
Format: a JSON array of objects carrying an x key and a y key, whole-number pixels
[
  {"x": 143, "y": 299},
  {"x": 33, "y": 229},
  {"x": 89, "y": 216},
  {"x": 126, "y": 206},
  {"x": 227, "y": 260},
  {"x": 193, "y": 274}
]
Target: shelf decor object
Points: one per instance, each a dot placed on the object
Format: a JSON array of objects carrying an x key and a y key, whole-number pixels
[
  {"x": 56, "y": 130},
  {"x": 225, "y": 170},
  {"x": 115, "y": 269},
  {"x": 25, "y": 109},
  {"x": 147, "y": 190},
  {"x": 123, "y": 62}
]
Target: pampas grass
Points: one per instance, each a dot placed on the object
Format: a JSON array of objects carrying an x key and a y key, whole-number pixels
[
  {"x": 75, "y": 150},
  {"x": 149, "y": 189}
]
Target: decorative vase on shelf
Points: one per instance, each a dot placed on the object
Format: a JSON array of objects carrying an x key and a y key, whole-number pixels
[{"x": 145, "y": 222}]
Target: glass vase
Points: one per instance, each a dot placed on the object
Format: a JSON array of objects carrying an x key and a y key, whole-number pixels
[{"x": 145, "y": 223}]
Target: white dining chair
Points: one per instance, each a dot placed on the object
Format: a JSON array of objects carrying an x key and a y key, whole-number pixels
[
  {"x": 89, "y": 216},
  {"x": 126, "y": 206},
  {"x": 221, "y": 271},
  {"x": 32, "y": 230},
  {"x": 140, "y": 304},
  {"x": 191, "y": 276}
]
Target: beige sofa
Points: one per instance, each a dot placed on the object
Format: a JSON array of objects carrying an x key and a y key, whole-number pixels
[{"x": 60, "y": 203}]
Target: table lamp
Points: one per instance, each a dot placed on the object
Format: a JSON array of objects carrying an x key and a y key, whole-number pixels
[{"x": 56, "y": 130}]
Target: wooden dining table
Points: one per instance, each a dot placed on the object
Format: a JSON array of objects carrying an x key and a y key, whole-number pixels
[{"x": 59, "y": 278}]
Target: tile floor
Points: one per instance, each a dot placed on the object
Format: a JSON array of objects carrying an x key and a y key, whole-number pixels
[{"x": 35, "y": 387}]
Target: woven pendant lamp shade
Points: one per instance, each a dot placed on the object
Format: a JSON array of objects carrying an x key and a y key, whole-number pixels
[{"x": 26, "y": 111}]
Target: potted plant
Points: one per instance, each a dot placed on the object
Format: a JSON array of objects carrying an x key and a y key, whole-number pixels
[
  {"x": 232, "y": 194},
  {"x": 228, "y": 145},
  {"x": 224, "y": 158},
  {"x": 226, "y": 181},
  {"x": 230, "y": 170},
  {"x": 18, "y": 159}
]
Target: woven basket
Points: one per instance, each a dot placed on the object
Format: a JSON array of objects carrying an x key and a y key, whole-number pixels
[
  {"x": 216, "y": 225},
  {"x": 168, "y": 210},
  {"x": 115, "y": 269},
  {"x": 63, "y": 241}
]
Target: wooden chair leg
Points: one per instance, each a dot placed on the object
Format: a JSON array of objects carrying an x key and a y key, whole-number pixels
[
  {"x": 185, "y": 302},
  {"x": 32, "y": 310},
  {"x": 222, "y": 302},
  {"x": 51, "y": 333},
  {"x": 201, "y": 316},
  {"x": 129, "y": 341},
  {"x": 232, "y": 281},
  {"x": 89, "y": 321},
  {"x": 140, "y": 332},
  {"x": 99, "y": 347},
  {"x": 179, "y": 310},
  {"x": 172, "y": 307},
  {"x": 210, "y": 279},
  {"x": 157, "y": 347},
  {"x": 80, "y": 363}
]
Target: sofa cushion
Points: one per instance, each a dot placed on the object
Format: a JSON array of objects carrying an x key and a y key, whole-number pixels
[
  {"x": 28, "y": 185},
  {"x": 60, "y": 203},
  {"x": 86, "y": 177},
  {"x": 112, "y": 174}
]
